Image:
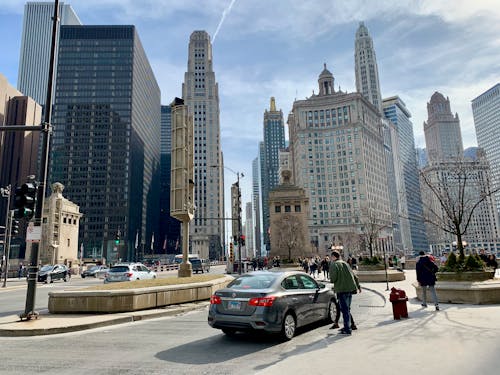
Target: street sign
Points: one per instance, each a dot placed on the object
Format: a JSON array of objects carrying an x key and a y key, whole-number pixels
[{"x": 33, "y": 233}]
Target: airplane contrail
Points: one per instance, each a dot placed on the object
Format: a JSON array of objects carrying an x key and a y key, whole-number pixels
[{"x": 224, "y": 14}]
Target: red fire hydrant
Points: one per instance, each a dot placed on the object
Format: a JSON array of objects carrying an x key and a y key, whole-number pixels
[{"x": 398, "y": 299}]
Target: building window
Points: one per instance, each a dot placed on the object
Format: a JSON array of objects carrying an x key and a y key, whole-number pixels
[
  {"x": 297, "y": 208},
  {"x": 277, "y": 208},
  {"x": 288, "y": 209},
  {"x": 68, "y": 242}
]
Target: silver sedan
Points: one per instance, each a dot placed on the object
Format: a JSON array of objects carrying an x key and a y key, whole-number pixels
[{"x": 272, "y": 301}]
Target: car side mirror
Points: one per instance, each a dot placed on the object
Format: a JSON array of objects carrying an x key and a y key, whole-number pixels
[{"x": 321, "y": 285}]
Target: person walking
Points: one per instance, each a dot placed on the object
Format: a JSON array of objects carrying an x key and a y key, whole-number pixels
[
  {"x": 426, "y": 277},
  {"x": 345, "y": 284}
]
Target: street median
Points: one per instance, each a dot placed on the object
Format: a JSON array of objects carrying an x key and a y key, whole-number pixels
[{"x": 126, "y": 300}]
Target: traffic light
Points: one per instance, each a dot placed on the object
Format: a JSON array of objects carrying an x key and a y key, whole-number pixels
[
  {"x": 14, "y": 228},
  {"x": 25, "y": 200},
  {"x": 242, "y": 240},
  {"x": 117, "y": 239},
  {"x": 231, "y": 252}
]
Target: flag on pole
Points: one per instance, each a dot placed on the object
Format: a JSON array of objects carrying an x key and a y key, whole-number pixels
[
  {"x": 165, "y": 243},
  {"x": 137, "y": 239},
  {"x": 152, "y": 241}
]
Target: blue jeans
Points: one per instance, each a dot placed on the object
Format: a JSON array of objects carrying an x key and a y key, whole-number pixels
[
  {"x": 345, "y": 299},
  {"x": 433, "y": 293}
]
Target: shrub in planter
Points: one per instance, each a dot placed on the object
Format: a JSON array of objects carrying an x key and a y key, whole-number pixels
[
  {"x": 375, "y": 260},
  {"x": 470, "y": 263}
]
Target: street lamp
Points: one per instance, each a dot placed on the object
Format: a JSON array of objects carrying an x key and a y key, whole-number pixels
[{"x": 236, "y": 202}]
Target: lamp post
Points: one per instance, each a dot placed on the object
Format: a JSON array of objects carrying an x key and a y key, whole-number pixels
[{"x": 237, "y": 210}]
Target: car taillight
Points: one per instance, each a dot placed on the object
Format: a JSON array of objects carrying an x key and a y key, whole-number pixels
[
  {"x": 262, "y": 301},
  {"x": 215, "y": 300},
  {"x": 129, "y": 274}
]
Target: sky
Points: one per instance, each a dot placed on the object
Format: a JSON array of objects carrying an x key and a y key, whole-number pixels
[{"x": 277, "y": 48}]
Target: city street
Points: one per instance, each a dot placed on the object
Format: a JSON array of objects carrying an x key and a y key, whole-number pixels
[{"x": 184, "y": 344}]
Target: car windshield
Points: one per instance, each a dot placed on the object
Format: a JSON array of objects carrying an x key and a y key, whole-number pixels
[
  {"x": 94, "y": 268},
  {"x": 46, "y": 268},
  {"x": 253, "y": 282},
  {"x": 119, "y": 269}
]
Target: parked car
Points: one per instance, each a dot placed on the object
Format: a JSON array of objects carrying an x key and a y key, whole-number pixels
[
  {"x": 95, "y": 271},
  {"x": 272, "y": 301},
  {"x": 128, "y": 272},
  {"x": 200, "y": 265},
  {"x": 49, "y": 273}
]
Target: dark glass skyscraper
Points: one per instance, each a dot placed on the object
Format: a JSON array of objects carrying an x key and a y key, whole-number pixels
[
  {"x": 274, "y": 141},
  {"x": 106, "y": 139},
  {"x": 170, "y": 228}
]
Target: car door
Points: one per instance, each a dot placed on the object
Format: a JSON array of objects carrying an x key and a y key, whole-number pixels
[
  {"x": 297, "y": 298},
  {"x": 311, "y": 290}
]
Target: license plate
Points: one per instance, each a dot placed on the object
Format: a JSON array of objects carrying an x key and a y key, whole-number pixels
[{"x": 234, "y": 305}]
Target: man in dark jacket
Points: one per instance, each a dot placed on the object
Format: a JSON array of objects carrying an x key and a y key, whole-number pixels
[
  {"x": 345, "y": 284},
  {"x": 426, "y": 277}
]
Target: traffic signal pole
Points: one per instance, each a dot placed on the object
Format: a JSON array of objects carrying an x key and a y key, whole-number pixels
[
  {"x": 29, "y": 311},
  {"x": 6, "y": 193}
]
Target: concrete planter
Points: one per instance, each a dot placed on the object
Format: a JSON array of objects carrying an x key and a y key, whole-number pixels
[
  {"x": 465, "y": 276},
  {"x": 379, "y": 276},
  {"x": 113, "y": 301},
  {"x": 370, "y": 267},
  {"x": 470, "y": 292}
]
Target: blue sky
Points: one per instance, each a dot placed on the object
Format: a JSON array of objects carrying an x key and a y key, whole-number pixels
[{"x": 277, "y": 48}]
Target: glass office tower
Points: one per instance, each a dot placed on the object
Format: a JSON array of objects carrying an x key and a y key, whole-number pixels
[{"x": 106, "y": 139}]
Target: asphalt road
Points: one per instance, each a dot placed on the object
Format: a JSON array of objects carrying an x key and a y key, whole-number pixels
[
  {"x": 183, "y": 344},
  {"x": 13, "y": 298}
]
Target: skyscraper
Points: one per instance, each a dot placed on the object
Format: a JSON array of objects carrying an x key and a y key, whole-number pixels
[
  {"x": 338, "y": 158},
  {"x": 200, "y": 92},
  {"x": 486, "y": 112},
  {"x": 170, "y": 228},
  {"x": 409, "y": 197},
  {"x": 274, "y": 141},
  {"x": 106, "y": 140},
  {"x": 464, "y": 181},
  {"x": 36, "y": 44},
  {"x": 256, "y": 205},
  {"x": 443, "y": 138},
  {"x": 365, "y": 66}
]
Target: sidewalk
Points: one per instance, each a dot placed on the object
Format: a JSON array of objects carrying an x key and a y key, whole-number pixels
[{"x": 458, "y": 340}]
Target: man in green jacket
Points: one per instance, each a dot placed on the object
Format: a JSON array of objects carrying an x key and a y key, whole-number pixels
[{"x": 345, "y": 284}]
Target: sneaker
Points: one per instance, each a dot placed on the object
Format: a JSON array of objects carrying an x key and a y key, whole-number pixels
[
  {"x": 354, "y": 327},
  {"x": 335, "y": 325},
  {"x": 424, "y": 305},
  {"x": 344, "y": 332},
  {"x": 437, "y": 308}
]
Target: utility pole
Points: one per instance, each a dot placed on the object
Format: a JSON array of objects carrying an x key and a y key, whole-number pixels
[
  {"x": 6, "y": 193},
  {"x": 29, "y": 311}
]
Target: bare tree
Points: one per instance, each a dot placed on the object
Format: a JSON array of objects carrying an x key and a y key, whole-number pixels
[
  {"x": 452, "y": 191},
  {"x": 290, "y": 235},
  {"x": 372, "y": 224}
]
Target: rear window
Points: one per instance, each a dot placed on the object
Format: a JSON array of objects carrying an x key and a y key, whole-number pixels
[
  {"x": 195, "y": 261},
  {"x": 119, "y": 269},
  {"x": 253, "y": 282}
]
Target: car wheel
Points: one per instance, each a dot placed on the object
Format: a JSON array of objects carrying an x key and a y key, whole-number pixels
[
  {"x": 229, "y": 331},
  {"x": 331, "y": 313},
  {"x": 83, "y": 276},
  {"x": 288, "y": 327}
]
